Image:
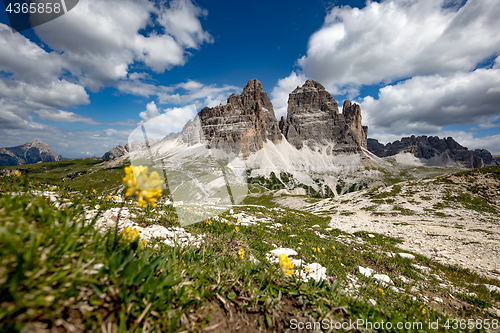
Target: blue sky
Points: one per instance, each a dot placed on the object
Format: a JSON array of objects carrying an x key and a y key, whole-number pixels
[{"x": 83, "y": 82}]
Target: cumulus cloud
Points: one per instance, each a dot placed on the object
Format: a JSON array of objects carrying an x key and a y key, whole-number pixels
[
  {"x": 281, "y": 91},
  {"x": 151, "y": 112},
  {"x": 425, "y": 104},
  {"x": 59, "y": 116},
  {"x": 92, "y": 46},
  {"x": 170, "y": 120},
  {"x": 399, "y": 39},
  {"x": 100, "y": 39}
]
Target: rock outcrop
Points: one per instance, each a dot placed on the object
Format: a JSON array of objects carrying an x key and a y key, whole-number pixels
[
  {"x": 28, "y": 153},
  {"x": 313, "y": 119},
  {"x": 243, "y": 124},
  {"x": 429, "y": 147},
  {"x": 247, "y": 121},
  {"x": 352, "y": 116},
  {"x": 116, "y": 152}
]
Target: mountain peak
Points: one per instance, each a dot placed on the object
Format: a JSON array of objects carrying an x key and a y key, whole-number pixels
[
  {"x": 313, "y": 119},
  {"x": 31, "y": 152}
]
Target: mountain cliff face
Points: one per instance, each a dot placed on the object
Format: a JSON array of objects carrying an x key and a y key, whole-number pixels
[
  {"x": 30, "y": 152},
  {"x": 425, "y": 147},
  {"x": 313, "y": 119},
  {"x": 247, "y": 122},
  {"x": 244, "y": 124}
]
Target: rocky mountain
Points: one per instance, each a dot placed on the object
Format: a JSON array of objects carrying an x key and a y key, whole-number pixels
[
  {"x": 30, "y": 152},
  {"x": 244, "y": 124},
  {"x": 247, "y": 121},
  {"x": 313, "y": 119},
  {"x": 434, "y": 151}
]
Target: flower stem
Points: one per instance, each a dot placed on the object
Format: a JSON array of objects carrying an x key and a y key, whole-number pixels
[{"x": 116, "y": 226}]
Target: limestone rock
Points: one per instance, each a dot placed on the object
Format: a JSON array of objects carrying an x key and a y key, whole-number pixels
[
  {"x": 115, "y": 152},
  {"x": 243, "y": 124},
  {"x": 313, "y": 119},
  {"x": 352, "y": 116},
  {"x": 31, "y": 152}
]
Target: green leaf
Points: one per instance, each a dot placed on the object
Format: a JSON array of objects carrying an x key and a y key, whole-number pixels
[
  {"x": 231, "y": 295},
  {"x": 269, "y": 321},
  {"x": 97, "y": 288}
]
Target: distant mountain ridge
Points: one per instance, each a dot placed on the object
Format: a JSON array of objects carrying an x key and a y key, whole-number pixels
[
  {"x": 432, "y": 149},
  {"x": 247, "y": 122},
  {"x": 313, "y": 120},
  {"x": 31, "y": 152}
]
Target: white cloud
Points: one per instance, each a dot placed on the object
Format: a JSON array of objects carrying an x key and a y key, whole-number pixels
[
  {"x": 281, "y": 91},
  {"x": 172, "y": 120},
  {"x": 151, "y": 112},
  {"x": 94, "y": 45},
  {"x": 180, "y": 19},
  {"x": 59, "y": 116},
  {"x": 399, "y": 39},
  {"x": 425, "y": 104},
  {"x": 100, "y": 39}
]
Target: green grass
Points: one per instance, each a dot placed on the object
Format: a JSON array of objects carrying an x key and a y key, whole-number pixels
[
  {"x": 78, "y": 174},
  {"x": 56, "y": 270},
  {"x": 472, "y": 202}
]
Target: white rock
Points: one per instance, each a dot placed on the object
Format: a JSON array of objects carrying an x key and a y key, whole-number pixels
[
  {"x": 316, "y": 226},
  {"x": 314, "y": 271},
  {"x": 372, "y": 301},
  {"x": 406, "y": 255},
  {"x": 494, "y": 311},
  {"x": 366, "y": 271},
  {"x": 383, "y": 278},
  {"x": 396, "y": 290},
  {"x": 422, "y": 268},
  {"x": 371, "y": 235},
  {"x": 437, "y": 277},
  {"x": 437, "y": 299},
  {"x": 404, "y": 279},
  {"x": 277, "y": 252},
  {"x": 491, "y": 288}
]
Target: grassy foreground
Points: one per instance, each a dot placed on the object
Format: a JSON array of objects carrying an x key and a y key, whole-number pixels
[{"x": 57, "y": 273}]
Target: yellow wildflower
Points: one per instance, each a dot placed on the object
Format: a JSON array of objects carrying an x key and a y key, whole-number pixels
[
  {"x": 306, "y": 269},
  {"x": 424, "y": 311},
  {"x": 94, "y": 191},
  {"x": 286, "y": 265},
  {"x": 130, "y": 234},
  {"x": 17, "y": 173},
  {"x": 228, "y": 222},
  {"x": 236, "y": 229},
  {"x": 301, "y": 240},
  {"x": 114, "y": 197},
  {"x": 241, "y": 253},
  {"x": 314, "y": 249},
  {"x": 143, "y": 243},
  {"x": 333, "y": 247},
  {"x": 146, "y": 188}
]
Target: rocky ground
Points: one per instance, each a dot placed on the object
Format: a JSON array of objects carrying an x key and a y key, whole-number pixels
[{"x": 429, "y": 216}]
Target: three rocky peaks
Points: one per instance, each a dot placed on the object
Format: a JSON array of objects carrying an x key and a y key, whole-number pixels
[{"x": 247, "y": 121}]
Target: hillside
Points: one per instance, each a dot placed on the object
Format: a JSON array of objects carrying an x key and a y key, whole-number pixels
[{"x": 337, "y": 240}]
